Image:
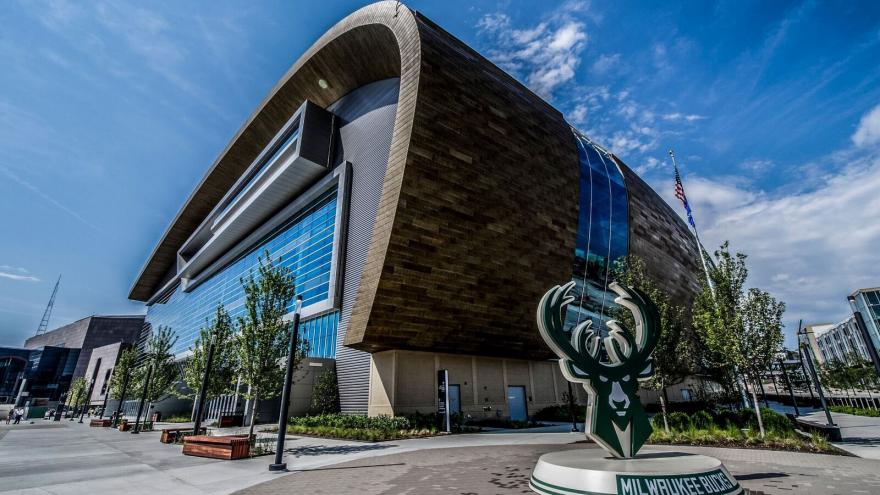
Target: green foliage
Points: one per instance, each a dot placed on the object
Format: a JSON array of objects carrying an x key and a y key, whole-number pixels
[
  {"x": 679, "y": 421},
  {"x": 739, "y": 429},
  {"x": 858, "y": 411},
  {"x": 739, "y": 329},
  {"x": 702, "y": 420},
  {"x": 76, "y": 394},
  {"x": 125, "y": 366},
  {"x": 261, "y": 344},
  {"x": 224, "y": 363},
  {"x": 674, "y": 356},
  {"x": 852, "y": 372},
  {"x": 165, "y": 369},
  {"x": 354, "y": 421},
  {"x": 366, "y": 428},
  {"x": 325, "y": 396}
]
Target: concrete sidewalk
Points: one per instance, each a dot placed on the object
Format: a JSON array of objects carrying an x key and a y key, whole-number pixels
[
  {"x": 861, "y": 434},
  {"x": 72, "y": 458}
]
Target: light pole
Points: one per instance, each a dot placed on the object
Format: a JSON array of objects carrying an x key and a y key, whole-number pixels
[
  {"x": 203, "y": 391},
  {"x": 137, "y": 422},
  {"x": 797, "y": 412},
  {"x": 88, "y": 398},
  {"x": 809, "y": 359},
  {"x": 285, "y": 395},
  {"x": 125, "y": 377},
  {"x": 574, "y": 427}
]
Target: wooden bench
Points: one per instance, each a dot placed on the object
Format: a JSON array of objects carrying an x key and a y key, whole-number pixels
[
  {"x": 171, "y": 435},
  {"x": 103, "y": 423},
  {"x": 125, "y": 426},
  {"x": 224, "y": 447}
]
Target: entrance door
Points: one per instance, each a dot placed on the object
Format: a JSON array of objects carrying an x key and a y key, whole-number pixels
[
  {"x": 454, "y": 399},
  {"x": 516, "y": 402}
]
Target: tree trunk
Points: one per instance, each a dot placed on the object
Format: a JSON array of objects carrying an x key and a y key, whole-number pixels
[
  {"x": 254, "y": 400},
  {"x": 763, "y": 394},
  {"x": 663, "y": 408},
  {"x": 758, "y": 413}
]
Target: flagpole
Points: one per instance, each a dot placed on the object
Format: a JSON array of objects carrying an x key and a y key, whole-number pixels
[
  {"x": 741, "y": 385},
  {"x": 693, "y": 224}
]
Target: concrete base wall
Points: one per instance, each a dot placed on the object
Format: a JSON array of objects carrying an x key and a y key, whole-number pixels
[{"x": 403, "y": 382}]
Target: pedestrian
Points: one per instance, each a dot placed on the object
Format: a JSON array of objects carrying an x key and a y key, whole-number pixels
[
  {"x": 18, "y": 414},
  {"x": 10, "y": 415}
]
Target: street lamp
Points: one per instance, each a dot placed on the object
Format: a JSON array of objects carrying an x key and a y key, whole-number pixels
[
  {"x": 285, "y": 395},
  {"x": 125, "y": 377},
  {"x": 137, "y": 422},
  {"x": 88, "y": 398}
]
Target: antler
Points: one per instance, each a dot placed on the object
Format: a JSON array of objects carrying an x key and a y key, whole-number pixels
[
  {"x": 579, "y": 354},
  {"x": 647, "y": 331}
]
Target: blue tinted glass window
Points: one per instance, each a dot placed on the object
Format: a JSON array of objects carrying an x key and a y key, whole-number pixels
[
  {"x": 602, "y": 233},
  {"x": 305, "y": 245}
]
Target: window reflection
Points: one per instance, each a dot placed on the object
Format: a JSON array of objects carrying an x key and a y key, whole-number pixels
[
  {"x": 305, "y": 245},
  {"x": 602, "y": 233}
]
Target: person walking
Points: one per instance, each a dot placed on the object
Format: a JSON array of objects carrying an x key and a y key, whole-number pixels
[
  {"x": 18, "y": 414},
  {"x": 10, "y": 415}
]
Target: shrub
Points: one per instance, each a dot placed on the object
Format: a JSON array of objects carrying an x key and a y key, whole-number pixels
[
  {"x": 325, "y": 396},
  {"x": 353, "y": 421},
  {"x": 858, "y": 411},
  {"x": 678, "y": 421},
  {"x": 560, "y": 414},
  {"x": 726, "y": 418},
  {"x": 775, "y": 422},
  {"x": 702, "y": 420}
]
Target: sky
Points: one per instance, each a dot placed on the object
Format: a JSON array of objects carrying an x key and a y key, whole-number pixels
[{"x": 111, "y": 112}]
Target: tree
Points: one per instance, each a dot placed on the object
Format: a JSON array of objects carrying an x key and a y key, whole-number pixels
[
  {"x": 325, "y": 395},
  {"x": 261, "y": 344},
  {"x": 739, "y": 329},
  {"x": 224, "y": 363},
  {"x": 673, "y": 358},
  {"x": 76, "y": 394},
  {"x": 762, "y": 333},
  {"x": 165, "y": 370},
  {"x": 126, "y": 365}
]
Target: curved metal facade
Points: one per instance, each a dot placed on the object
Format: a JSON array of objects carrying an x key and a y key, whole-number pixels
[{"x": 482, "y": 202}]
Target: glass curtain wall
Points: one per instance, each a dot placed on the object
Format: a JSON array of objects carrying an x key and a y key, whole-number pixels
[
  {"x": 305, "y": 245},
  {"x": 602, "y": 234}
]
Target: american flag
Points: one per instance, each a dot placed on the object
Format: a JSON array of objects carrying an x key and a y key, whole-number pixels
[{"x": 679, "y": 193}]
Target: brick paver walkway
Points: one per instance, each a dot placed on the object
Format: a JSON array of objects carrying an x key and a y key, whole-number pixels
[{"x": 506, "y": 470}]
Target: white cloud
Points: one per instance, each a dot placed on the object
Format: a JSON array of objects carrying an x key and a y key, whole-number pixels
[
  {"x": 544, "y": 56},
  {"x": 678, "y": 117},
  {"x": 809, "y": 249},
  {"x": 605, "y": 63},
  {"x": 868, "y": 132},
  {"x": 16, "y": 273}
]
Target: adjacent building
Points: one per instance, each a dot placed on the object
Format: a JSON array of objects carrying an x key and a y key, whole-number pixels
[
  {"x": 841, "y": 342},
  {"x": 89, "y": 333},
  {"x": 424, "y": 200}
]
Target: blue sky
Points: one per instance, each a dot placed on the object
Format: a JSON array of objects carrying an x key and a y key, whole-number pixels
[{"x": 110, "y": 113}]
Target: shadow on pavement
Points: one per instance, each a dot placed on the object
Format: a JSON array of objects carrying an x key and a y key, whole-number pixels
[
  {"x": 760, "y": 476},
  {"x": 310, "y": 450}
]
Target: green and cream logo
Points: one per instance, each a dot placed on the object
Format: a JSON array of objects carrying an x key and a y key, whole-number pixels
[{"x": 616, "y": 419}]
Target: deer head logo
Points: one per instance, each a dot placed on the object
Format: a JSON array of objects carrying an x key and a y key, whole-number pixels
[{"x": 616, "y": 419}]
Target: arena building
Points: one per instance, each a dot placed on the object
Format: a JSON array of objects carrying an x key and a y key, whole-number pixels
[{"x": 425, "y": 200}]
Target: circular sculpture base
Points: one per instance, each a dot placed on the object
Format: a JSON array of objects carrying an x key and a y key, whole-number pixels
[{"x": 594, "y": 472}]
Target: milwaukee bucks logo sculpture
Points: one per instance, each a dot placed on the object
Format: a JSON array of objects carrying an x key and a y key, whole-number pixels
[{"x": 616, "y": 419}]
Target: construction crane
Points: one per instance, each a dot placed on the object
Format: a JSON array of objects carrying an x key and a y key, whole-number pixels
[{"x": 44, "y": 323}]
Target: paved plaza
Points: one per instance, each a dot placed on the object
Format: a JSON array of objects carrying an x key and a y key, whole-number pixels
[{"x": 70, "y": 458}]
